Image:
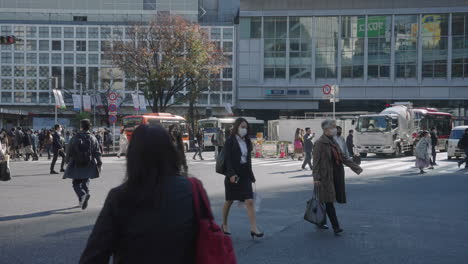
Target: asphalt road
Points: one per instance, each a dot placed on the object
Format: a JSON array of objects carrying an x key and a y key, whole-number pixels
[{"x": 393, "y": 215}]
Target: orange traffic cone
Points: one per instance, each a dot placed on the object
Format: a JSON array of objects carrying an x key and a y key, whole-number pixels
[{"x": 258, "y": 150}]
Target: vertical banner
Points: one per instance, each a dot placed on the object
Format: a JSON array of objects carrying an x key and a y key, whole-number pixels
[
  {"x": 59, "y": 102},
  {"x": 142, "y": 103},
  {"x": 136, "y": 104},
  {"x": 98, "y": 100},
  {"x": 76, "y": 102},
  {"x": 87, "y": 103}
]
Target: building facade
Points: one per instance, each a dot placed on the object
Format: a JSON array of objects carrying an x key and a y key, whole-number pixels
[
  {"x": 377, "y": 53},
  {"x": 67, "y": 40}
]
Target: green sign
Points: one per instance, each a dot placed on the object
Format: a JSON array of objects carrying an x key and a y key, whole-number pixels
[{"x": 375, "y": 26}]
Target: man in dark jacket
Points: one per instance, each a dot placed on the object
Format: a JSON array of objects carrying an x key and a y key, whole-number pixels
[
  {"x": 350, "y": 143},
  {"x": 19, "y": 138},
  {"x": 84, "y": 162},
  {"x": 434, "y": 142},
  {"x": 57, "y": 149},
  {"x": 308, "y": 146},
  {"x": 463, "y": 144},
  {"x": 28, "y": 144}
]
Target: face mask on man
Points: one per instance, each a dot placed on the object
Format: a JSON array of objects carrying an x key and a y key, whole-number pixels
[{"x": 242, "y": 131}]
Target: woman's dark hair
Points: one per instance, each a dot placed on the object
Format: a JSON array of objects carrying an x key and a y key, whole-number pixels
[
  {"x": 423, "y": 133},
  {"x": 151, "y": 157},
  {"x": 237, "y": 123}
]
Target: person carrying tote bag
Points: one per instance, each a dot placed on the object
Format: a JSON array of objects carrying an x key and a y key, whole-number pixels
[{"x": 315, "y": 211}]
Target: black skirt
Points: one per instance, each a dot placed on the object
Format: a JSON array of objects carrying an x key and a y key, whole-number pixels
[{"x": 242, "y": 190}]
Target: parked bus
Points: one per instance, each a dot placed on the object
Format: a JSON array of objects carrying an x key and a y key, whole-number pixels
[
  {"x": 151, "y": 119},
  {"x": 213, "y": 124},
  {"x": 426, "y": 118}
]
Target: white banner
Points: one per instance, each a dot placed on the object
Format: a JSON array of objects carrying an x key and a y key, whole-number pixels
[
  {"x": 98, "y": 100},
  {"x": 142, "y": 103},
  {"x": 76, "y": 102},
  {"x": 136, "y": 104},
  {"x": 59, "y": 102},
  {"x": 87, "y": 103}
]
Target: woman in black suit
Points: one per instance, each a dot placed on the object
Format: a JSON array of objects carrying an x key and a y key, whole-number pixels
[
  {"x": 150, "y": 217},
  {"x": 239, "y": 175}
]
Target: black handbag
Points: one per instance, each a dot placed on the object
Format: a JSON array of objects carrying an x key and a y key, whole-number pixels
[
  {"x": 4, "y": 171},
  {"x": 357, "y": 159},
  {"x": 220, "y": 165},
  {"x": 315, "y": 211}
]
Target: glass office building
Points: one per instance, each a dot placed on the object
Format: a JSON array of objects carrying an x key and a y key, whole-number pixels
[
  {"x": 70, "y": 46},
  {"x": 376, "y": 55}
]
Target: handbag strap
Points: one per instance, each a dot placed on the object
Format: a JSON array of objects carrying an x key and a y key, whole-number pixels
[{"x": 197, "y": 193}]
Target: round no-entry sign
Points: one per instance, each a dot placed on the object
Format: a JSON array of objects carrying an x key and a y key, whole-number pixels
[
  {"x": 112, "y": 119},
  {"x": 326, "y": 89},
  {"x": 112, "y": 96},
  {"x": 112, "y": 108}
]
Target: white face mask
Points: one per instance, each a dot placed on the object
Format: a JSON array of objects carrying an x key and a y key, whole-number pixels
[
  {"x": 334, "y": 131},
  {"x": 242, "y": 131}
]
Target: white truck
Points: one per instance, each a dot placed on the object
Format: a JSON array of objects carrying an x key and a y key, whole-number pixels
[{"x": 390, "y": 132}]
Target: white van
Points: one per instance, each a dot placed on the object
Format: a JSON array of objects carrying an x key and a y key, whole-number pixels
[{"x": 455, "y": 136}]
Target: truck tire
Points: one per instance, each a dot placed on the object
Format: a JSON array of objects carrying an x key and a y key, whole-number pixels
[
  {"x": 363, "y": 155},
  {"x": 397, "y": 152}
]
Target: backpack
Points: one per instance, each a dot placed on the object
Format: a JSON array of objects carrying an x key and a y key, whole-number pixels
[{"x": 82, "y": 150}]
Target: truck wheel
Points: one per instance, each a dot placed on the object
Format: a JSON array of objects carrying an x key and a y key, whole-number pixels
[
  {"x": 449, "y": 157},
  {"x": 397, "y": 152},
  {"x": 363, "y": 155}
]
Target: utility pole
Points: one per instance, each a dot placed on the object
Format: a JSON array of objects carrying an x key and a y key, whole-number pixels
[
  {"x": 138, "y": 96},
  {"x": 56, "y": 103},
  {"x": 81, "y": 97}
]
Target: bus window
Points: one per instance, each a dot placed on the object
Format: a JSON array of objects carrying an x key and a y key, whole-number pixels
[
  {"x": 209, "y": 127},
  {"x": 132, "y": 121},
  {"x": 153, "y": 122}
]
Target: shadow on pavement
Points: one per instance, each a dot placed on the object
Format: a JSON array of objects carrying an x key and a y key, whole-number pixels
[
  {"x": 301, "y": 176},
  {"x": 87, "y": 228},
  {"x": 40, "y": 214},
  {"x": 32, "y": 175},
  {"x": 283, "y": 172}
]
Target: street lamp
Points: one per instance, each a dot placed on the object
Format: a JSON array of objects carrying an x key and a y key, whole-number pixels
[{"x": 55, "y": 106}]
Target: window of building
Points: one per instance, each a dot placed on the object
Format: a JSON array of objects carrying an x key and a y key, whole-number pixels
[
  {"x": 44, "y": 71},
  {"x": 460, "y": 45},
  {"x": 31, "y": 98},
  {"x": 93, "y": 45},
  {"x": 31, "y": 31},
  {"x": 44, "y": 58},
  {"x": 68, "y": 58},
  {"x": 7, "y": 84},
  {"x": 6, "y": 57},
  {"x": 19, "y": 97},
  {"x": 106, "y": 59},
  {"x": 379, "y": 30},
  {"x": 31, "y": 85},
  {"x": 215, "y": 99},
  {"x": 44, "y": 84},
  {"x": 19, "y": 45},
  {"x": 80, "y": 58},
  {"x": 68, "y": 45},
  {"x": 227, "y": 86},
  {"x": 352, "y": 47},
  {"x": 105, "y": 32},
  {"x": 406, "y": 43},
  {"x": 215, "y": 85},
  {"x": 326, "y": 48},
  {"x": 93, "y": 58},
  {"x": 56, "y": 45},
  {"x": 118, "y": 32},
  {"x": 68, "y": 77},
  {"x": 275, "y": 34},
  {"x": 216, "y": 33},
  {"x": 227, "y": 73},
  {"x": 5, "y": 29},
  {"x": 43, "y": 45},
  {"x": 227, "y": 46},
  {"x": 105, "y": 45},
  {"x": 7, "y": 71},
  {"x": 80, "y": 45},
  {"x": 250, "y": 27},
  {"x": 434, "y": 32},
  {"x": 44, "y": 32},
  {"x": 31, "y": 45},
  {"x": 19, "y": 84},
  {"x": 81, "y": 75},
  {"x": 93, "y": 32},
  {"x": 57, "y": 73},
  {"x": 80, "y": 18},
  {"x": 300, "y": 47},
  {"x": 56, "y": 32},
  {"x": 31, "y": 71},
  {"x": 80, "y": 32},
  {"x": 19, "y": 58},
  {"x": 31, "y": 58},
  {"x": 6, "y": 97},
  {"x": 227, "y": 33},
  {"x": 227, "y": 98},
  {"x": 56, "y": 58},
  {"x": 44, "y": 98},
  {"x": 68, "y": 32},
  {"x": 93, "y": 77}
]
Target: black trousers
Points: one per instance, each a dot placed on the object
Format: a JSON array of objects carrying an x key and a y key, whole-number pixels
[
  {"x": 81, "y": 187},
  {"x": 331, "y": 212},
  {"x": 199, "y": 151},
  {"x": 307, "y": 160},
  {"x": 433, "y": 155},
  {"x": 54, "y": 160}
]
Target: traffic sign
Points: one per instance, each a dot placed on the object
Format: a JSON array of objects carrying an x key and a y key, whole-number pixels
[
  {"x": 113, "y": 96},
  {"x": 326, "y": 89},
  {"x": 112, "y": 108},
  {"x": 112, "y": 119}
]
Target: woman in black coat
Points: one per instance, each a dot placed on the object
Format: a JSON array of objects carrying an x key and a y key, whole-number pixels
[
  {"x": 150, "y": 217},
  {"x": 239, "y": 175}
]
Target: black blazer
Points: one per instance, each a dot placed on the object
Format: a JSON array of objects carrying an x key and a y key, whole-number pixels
[
  {"x": 56, "y": 141},
  {"x": 232, "y": 157},
  {"x": 142, "y": 233}
]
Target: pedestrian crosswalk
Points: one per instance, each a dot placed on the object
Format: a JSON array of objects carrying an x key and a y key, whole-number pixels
[{"x": 374, "y": 165}]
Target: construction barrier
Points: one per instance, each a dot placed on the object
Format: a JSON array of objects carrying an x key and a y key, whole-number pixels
[{"x": 269, "y": 149}]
